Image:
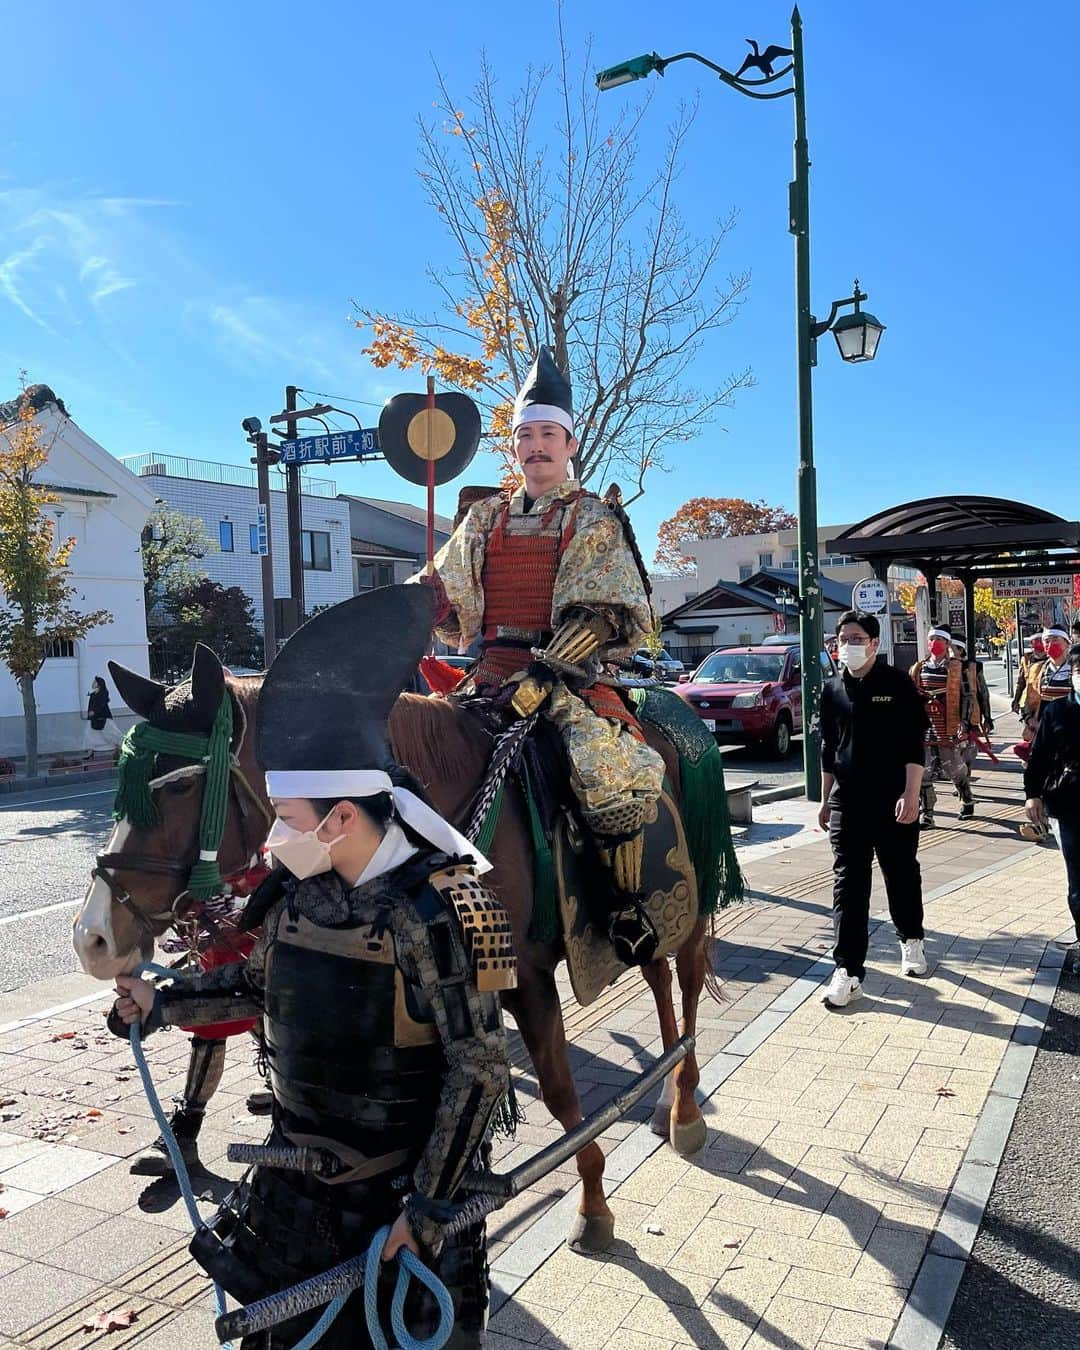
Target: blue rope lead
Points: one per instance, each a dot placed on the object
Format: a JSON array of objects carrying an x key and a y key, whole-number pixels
[
  {"x": 409, "y": 1266},
  {"x": 175, "y": 1156}
]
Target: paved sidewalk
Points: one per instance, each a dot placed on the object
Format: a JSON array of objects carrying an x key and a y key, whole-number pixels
[{"x": 835, "y": 1140}]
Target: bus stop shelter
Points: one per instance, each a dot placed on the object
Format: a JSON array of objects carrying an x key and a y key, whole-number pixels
[{"x": 968, "y": 538}]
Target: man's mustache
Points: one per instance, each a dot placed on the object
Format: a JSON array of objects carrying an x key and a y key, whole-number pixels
[{"x": 540, "y": 457}]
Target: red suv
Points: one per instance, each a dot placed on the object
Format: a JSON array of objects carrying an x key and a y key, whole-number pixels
[{"x": 751, "y": 695}]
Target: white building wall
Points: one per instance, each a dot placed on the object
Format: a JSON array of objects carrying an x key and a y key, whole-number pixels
[
  {"x": 106, "y": 572},
  {"x": 727, "y": 559},
  {"x": 670, "y": 592},
  {"x": 213, "y": 503}
]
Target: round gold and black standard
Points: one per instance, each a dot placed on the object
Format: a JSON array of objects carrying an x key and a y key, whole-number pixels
[{"x": 411, "y": 435}]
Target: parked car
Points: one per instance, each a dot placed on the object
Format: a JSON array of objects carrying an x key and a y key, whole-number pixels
[
  {"x": 666, "y": 665},
  {"x": 752, "y": 695}
]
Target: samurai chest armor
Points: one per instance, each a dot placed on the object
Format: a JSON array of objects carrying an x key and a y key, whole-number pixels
[{"x": 353, "y": 1050}]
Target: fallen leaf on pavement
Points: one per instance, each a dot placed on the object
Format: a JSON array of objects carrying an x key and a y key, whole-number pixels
[
  {"x": 3, "y": 1213},
  {"x": 124, "y": 1129},
  {"x": 945, "y": 1092},
  {"x": 111, "y": 1321},
  {"x": 655, "y": 1229},
  {"x": 64, "y": 1036},
  {"x": 731, "y": 1244},
  {"x": 93, "y": 1113}
]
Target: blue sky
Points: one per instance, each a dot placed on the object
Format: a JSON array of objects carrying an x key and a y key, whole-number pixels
[{"x": 191, "y": 196}]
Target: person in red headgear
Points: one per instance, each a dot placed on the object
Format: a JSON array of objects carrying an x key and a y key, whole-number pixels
[
  {"x": 1050, "y": 679},
  {"x": 939, "y": 679}
]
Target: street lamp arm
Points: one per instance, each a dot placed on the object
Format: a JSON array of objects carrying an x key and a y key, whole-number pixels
[
  {"x": 727, "y": 77},
  {"x": 817, "y": 328}
]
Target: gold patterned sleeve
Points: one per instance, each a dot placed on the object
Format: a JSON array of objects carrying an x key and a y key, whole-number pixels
[
  {"x": 459, "y": 588},
  {"x": 433, "y": 956},
  {"x": 598, "y": 570}
]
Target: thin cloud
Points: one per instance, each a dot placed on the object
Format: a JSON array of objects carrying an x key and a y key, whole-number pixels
[{"x": 11, "y": 284}]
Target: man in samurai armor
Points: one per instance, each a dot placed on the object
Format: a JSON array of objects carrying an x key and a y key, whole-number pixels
[
  {"x": 550, "y": 579},
  {"x": 1027, "y": 663},
  {"x": 1050, "y": 678},
  {"x": 376, "y": 977},
  {"x": 939, "y": 678},
  {"x": 975, "y": 711}
]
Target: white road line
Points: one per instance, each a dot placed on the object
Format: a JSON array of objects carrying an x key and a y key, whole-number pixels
[
  {"x": 69, "y": 797},
  {"x": 73, "y": 905}
]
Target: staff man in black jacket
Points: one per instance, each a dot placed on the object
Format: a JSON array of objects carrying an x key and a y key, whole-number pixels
[{"x": 873, "y": 730}]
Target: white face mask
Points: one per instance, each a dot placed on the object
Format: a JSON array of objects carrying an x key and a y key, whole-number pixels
[
  {"x": 301, "y": 851},
  {"x": 854, "y": 657},
  {"x": 1076, "y": 682}
]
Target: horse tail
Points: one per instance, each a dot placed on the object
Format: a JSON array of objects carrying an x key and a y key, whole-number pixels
[{"x": 713, "y": 986}]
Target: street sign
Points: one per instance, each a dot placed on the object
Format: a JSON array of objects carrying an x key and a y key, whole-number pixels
[
  {"x": 329, "y": 449},
  {"x": 871, "y": 596},
  {"x": 1032, "y": 588},
  {"x": 262, "y": 532}
]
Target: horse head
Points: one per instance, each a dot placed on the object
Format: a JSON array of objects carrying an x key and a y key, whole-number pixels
[{"x": 190, "y": 810}]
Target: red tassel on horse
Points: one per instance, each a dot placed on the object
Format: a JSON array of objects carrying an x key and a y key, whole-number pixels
[{"x": 441, "y": 678}]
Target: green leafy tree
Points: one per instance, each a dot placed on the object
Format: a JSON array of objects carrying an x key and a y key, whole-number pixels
[
  {"x": 222, "y": 617},
  {"x": 172, "y": 544},
  {"x": 36, "y": 612}
]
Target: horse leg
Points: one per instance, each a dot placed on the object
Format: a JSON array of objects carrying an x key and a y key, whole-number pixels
[
  {"x": 658, "y": 978},
  {"x": 535, "y": 1006},
  {"x": 688, "y": 1131}
]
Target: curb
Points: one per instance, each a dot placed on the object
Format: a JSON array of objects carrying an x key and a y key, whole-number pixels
[
  {"x": 777, "y": 794},
  {"x": 926, "y": 1312},
  {"x": 17, "y": 787}
]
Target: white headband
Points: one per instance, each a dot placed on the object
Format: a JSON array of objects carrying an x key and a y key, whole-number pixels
[
  {"x": 342, "y": 783},
  {"x": 942, "y": 633},
  {"x": 543, "y": 412},
  {"x": 1048, "y": 633}
]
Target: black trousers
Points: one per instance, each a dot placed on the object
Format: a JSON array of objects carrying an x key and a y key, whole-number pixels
[{"x": 856, "y": 835}]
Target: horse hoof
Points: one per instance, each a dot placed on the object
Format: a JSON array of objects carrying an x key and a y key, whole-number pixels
[
  {"x": 591, "y": 1232},
  {"x": 661, "y": 1121},
  {"x": 687, "y": 1140}
]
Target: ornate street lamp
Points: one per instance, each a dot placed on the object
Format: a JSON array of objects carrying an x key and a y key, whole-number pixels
[{"x": 857, "y": 336}]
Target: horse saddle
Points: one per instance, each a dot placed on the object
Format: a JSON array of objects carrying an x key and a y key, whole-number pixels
[{"x": 668, "y": 882}]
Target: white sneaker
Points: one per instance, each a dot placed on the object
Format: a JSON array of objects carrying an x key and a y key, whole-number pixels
[
  {"x": 912, "y": 957},
  {"x": 842, "y": 989}
]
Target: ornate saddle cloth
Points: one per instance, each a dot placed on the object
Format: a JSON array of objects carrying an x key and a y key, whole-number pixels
[{"x": 668, "y": 880}]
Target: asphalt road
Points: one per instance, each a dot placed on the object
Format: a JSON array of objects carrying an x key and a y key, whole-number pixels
[
  {"x": 47, "y": 846},
  {"x": 1021, "y": 1288}
]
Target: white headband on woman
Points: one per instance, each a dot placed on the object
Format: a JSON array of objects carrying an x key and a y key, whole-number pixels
[{"x": 342, "y": 783}]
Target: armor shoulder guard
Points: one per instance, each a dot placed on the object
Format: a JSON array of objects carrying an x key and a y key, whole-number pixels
[{"x": 483, "y": 921}]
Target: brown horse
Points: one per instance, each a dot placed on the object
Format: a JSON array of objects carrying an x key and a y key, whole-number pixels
[{"x": 138, "y": 890}]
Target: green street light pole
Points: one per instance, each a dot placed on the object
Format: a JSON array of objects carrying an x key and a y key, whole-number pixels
[
  {"x": 857, "y": 337},
  {"x": 811, "y": 623}
]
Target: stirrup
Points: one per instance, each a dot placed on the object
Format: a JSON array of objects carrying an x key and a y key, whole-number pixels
[{"x": 633, "y": 934}]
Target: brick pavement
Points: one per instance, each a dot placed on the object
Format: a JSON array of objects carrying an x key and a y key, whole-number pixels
[{"x": 833, "y": 1138}]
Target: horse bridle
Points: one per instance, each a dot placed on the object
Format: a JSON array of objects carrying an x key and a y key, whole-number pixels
[{"x": 106, "y": 863}]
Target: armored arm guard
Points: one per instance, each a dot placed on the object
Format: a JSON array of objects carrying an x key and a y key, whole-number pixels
[
  {"x": 453, "y": 943},
  {"x": 580, "y": 636},
  {"x": 225, "y": 994}
]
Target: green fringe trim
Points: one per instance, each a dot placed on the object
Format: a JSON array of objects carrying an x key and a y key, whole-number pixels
[
  {"x": 544, "y": 926},
  {"x": 707, "y": 822},
  {"x": 705, "y": 814},
  {"x": 486, "y": 833}
]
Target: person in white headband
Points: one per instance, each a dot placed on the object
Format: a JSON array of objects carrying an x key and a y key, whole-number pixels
[
  {"x": 377, "y": 979},
  {"x": 939, "y": 678}
]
